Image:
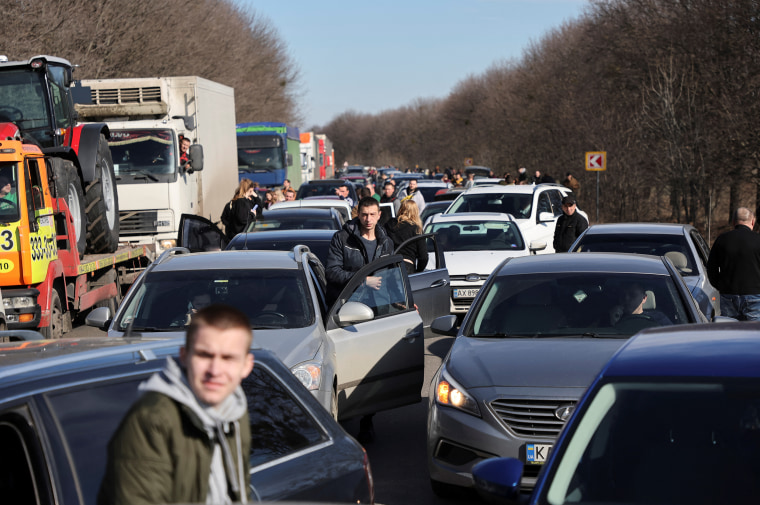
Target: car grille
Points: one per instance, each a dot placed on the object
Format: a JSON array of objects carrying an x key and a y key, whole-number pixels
[
  {"x": 137, "y": 222},
  {"x": 528, "y": 417},
  {"x": 460, "y": 278}
]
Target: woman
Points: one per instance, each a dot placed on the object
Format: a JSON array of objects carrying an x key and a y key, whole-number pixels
[
  {"x": 241, "y": 206},
  {"x": 403, "y": 227}
]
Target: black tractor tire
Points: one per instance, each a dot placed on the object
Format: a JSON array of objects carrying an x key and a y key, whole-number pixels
[
  {"x": 69, "y": 187},
  {"x": 60, "y": 321},
  {"x": 102, "y": 204}
]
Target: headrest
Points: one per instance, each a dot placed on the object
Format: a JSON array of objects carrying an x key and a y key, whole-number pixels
[
  {"x": 649, "y": 303},
  {"x": 679, "y": 261}
]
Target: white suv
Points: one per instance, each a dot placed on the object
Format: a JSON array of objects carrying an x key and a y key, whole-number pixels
[{"x": 535, "y": 208}]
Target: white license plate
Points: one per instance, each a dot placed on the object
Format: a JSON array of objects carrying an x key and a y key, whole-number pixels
[
  {"x": 465, "y": 293},
  {"x": 536, "y": 454}
]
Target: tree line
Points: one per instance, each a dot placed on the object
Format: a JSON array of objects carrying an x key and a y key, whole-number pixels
[
  {"x": 668, "y": 88},
  {"x": 219, "y": 40}
]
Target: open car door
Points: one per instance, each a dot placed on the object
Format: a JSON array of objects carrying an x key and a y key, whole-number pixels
[
  {"x": 431, "y": 287},
  {"x": 379, "y": 341},
  {"x": 199, "y": 234}
]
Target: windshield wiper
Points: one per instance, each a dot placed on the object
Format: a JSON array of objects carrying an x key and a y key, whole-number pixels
[
  {"x": 496, "y": 335},
  {"x": 153, "y": 328}
]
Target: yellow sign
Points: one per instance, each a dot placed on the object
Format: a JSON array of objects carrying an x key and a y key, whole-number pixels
[
  {"x": 468, "y": 162},
  {"x": 596, "y": 161},
  {"x": 6, "y": 266}
]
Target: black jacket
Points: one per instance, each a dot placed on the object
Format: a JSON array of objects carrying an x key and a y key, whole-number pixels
[
  {"x": 348, "y": 255},
  {"x": 416, "y": 252},
  {"x": 734, "y": 263},
  {"x": 568, "y": 229}
]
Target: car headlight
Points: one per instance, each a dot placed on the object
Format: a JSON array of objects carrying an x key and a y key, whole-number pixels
[
  {"x": 310, "y": 374},
  {"x": 451, "y": 394},
  {"x": 19, "y": 302}
]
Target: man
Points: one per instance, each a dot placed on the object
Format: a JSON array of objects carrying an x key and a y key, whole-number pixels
[
  {"x": 733, "y": 267},
  {"x": 470, "y": 181},
  {"x": 187, "y": 439},
  {"x": 357, "y": 244},
  {"x": 413, "y": 193},
  {"x": 290, "y": 195},
  {"x": 184, "y": 152},
  {"x": 388, "y": 196},
  {"x": 342, "y": 192},
  {"x": 8, "y": 196},
  {"x": 286, "y": 185},
  {"x": 570, "y": 225},
  {"x": 629, "y": 312},
  {"x": 572, "y": 183}
]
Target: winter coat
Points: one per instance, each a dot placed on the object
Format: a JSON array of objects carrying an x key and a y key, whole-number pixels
[
  {"x": 162, "y": 451},
  {"x": 242, "y": 215},
  {"x": 347, "y": 255},
  {"x": 568, "y": 229},
  {"x": 415, "y": 252}
]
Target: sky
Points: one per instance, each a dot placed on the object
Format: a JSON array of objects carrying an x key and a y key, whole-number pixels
[{"x": 371, "y": 56}]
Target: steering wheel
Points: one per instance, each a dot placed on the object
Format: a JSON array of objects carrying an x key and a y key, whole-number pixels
[
  {"x": 5, "y": 109},
  {"x": 276, "y": 317},
  {"x": 6, "y": 204}
]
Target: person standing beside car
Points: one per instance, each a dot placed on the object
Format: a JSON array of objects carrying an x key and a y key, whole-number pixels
[
  {"x": 403, "y": 227},
  {"x": 187, "y": 438},
  {"x": 733, "y": 267},
  {"x": 241, "y": 210},
  {"x": 570, "y": 225}
]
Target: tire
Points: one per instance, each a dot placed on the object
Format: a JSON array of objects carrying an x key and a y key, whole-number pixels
[
  {"x": 102, "y": 204},
  {"x": 68, "y": 186},
  {"x": 334, "y": 405},
  {"x": 60, "y": 321}
]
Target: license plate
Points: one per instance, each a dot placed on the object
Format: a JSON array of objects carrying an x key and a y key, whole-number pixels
[
  {"x": 536, "y": 454},
  {"x": 465, "y": 293}
]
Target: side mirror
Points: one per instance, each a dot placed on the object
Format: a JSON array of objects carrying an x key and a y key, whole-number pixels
[
  {"x": 497, "y": 480},
  {"x": 444, "y": 325},
  {"x": 536, "y": 246},
  {"x": 196, "y": 158},
  {"x": 545, "y": 217},
  {"x": 289, "y": 159},
  {"x": 99, "y": 318},
  {"x": 354, "y": 312}
]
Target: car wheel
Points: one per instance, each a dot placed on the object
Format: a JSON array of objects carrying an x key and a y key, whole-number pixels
[
  {"x": 60, "y": 321},
  {"x": 102, "y": 204},
  {"x": 334, "y": 405}
]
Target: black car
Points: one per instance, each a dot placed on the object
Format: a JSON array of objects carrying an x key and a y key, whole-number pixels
[
  {"x": 62, "y": 400},
  {"x": 299, "y": 219},
  {"x": 318, "y": 241},
  {"x": 325, "y": 187}
]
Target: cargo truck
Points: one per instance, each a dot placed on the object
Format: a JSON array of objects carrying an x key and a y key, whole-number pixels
[
  {"x": 316, "y": 157},
  {"x": 268, "y": 153},
  {"x": 147, "y": 118}
]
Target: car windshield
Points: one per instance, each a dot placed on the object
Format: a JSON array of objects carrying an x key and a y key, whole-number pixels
[
  {"x": 477, "y": 236},
  {"x": 518, "y": 205},
  {"x": 142, "y": 152},
  {"x": 644, "y": 442},
  {"x": 273, "y": 221},
  {"x": 165, "y": 301},
  {"x": 577, "y": 304},
  {"x": 674, "y": 247}
]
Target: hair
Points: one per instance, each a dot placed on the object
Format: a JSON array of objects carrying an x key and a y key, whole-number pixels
[
  {"x": 290, "y": 190},
  {"x": 743, "y": 215},
  {"x": 408, "y": 212},
  {"x": 365, "y": 191},
  {"x": 242, "y": 189},
  {"x": 278, "y": 196},
  {"x": 219, "y": 316},
  {"x": 368, "y": 201}
]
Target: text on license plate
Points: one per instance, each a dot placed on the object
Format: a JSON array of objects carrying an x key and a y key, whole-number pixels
[
  {"x": 536, "y": 454},
  {"x": 466, "y": 292}
]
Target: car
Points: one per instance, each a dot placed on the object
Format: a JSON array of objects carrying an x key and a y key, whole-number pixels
[
  {"x": 537, "y": 334},
  {"x": 283, "y": 293},
  {"x": 428, "y": 188},
  {"x": 63, "y": 399},
  {"x": 478, "y": 171},
  {"x": 358, "y": 180},
  {"x": 536, "y": 208},
  {"x": 318, "y": 241},
  {"x": 635, "y": 436},
  {"x": 448, "y": 194},
  {"x": 318, "y": 202},
  {"x": 433, "y": 208},
  {"x": 682, "y": 243},
  {"x": 304, "y": 218},
  {"x": 474, "y": 243},
  {"x": 324, "y": 187},
  {"x": 485, "y": 181}
]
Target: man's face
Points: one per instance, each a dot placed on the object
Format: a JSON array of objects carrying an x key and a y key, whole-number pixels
[
  {"x": 343, "y": 191},
  {"x": 569, "y": 208},
  {"x": 412, "y": 185},
  {"x": 217, "y": 362},
  {"x": 632, "y": 300},
  {"x": 290, "y": 196},
  {"x": 368, "y": 217},
  {"x": 184, "y": 146},
  {"x": 389, "y": 190}
]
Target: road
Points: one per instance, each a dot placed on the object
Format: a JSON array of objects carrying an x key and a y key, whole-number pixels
[{"x": 397, "y": 454}]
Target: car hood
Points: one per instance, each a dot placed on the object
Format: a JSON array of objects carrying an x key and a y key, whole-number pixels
[
  {"x": 529, "y": 362},
  {"x": 480, "y": 262}
]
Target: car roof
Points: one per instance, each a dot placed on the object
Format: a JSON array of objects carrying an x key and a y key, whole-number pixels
[
  {"x": 227, "y": 260},
  {"x": 512, "y": 188},
  {"x": 695, "y": 350},
  {"x": 305, "y": 212},
  {"x": 586, "y": 262},
  {"x": 471, "y": 216},
  {"x": 638, "y": 228},
  {"x": 286, "y": 235}
]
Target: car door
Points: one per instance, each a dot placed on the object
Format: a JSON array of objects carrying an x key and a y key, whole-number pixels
[
  {"x": 379, "y": 341},
  {"x": 430, "y": 287},
  {"x": 544, "y": 230},
  {"x": 199, "y": 234}
]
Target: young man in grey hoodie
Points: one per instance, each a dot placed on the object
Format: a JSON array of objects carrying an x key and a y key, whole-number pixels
[{"x": 187, "y": 439}]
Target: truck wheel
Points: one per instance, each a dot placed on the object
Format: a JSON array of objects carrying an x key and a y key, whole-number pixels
[
  {"x": 102, "y": 204},
  {"x": 67, "y": 186},
  {"x": 60, "y": 321}
]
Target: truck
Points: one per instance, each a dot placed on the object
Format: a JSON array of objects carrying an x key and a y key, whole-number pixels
[
  {"x": 266, "y": 153},
  {"x": 147, "y": 119},
  {"x": 316, "y": 157},
  {"x": 326, "y": 157}
]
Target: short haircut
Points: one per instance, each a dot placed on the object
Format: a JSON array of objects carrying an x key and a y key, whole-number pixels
[
  {"x": 290, "y": 190},
  {"x": 743, "y": 215},
  {"x": 368, "y": 201},
  {"x": 219, "y": 316}
]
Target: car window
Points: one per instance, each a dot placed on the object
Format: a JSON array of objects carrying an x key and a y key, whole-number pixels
[
  {"x": 674, "y": 247},
  {"x": 477, "y": 236},
  {"x": 270, "y": 222},
  {"x": 88, "y": 417},
  {"x": 577, "y": 303},
  {"x": 271, "y": 298},
  {"x": 518, "y": 205},
  {"x": 280, "y": 424},
  {"x": 556, "y": 200},
  {"x": 16, "y": 482},
  {"x": 544, "y": 204},
  {"x": 703, "y": 250},
  {"x": 390, "y": 298}
]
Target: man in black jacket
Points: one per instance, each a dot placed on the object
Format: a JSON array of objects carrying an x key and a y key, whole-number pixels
[
  {"x": 733, "y": 267},
  {"x": 570, "y": 225}
]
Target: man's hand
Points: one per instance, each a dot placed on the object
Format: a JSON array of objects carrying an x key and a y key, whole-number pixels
[{"x": 374, "y": 282}]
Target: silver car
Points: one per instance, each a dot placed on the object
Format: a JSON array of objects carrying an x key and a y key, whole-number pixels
[
  {"x": 681, "y": 243},
  {"x": 537, "y": 334}
]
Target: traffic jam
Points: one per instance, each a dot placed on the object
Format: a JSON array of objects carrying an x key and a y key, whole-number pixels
[{"x": 175, "y": 329}]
